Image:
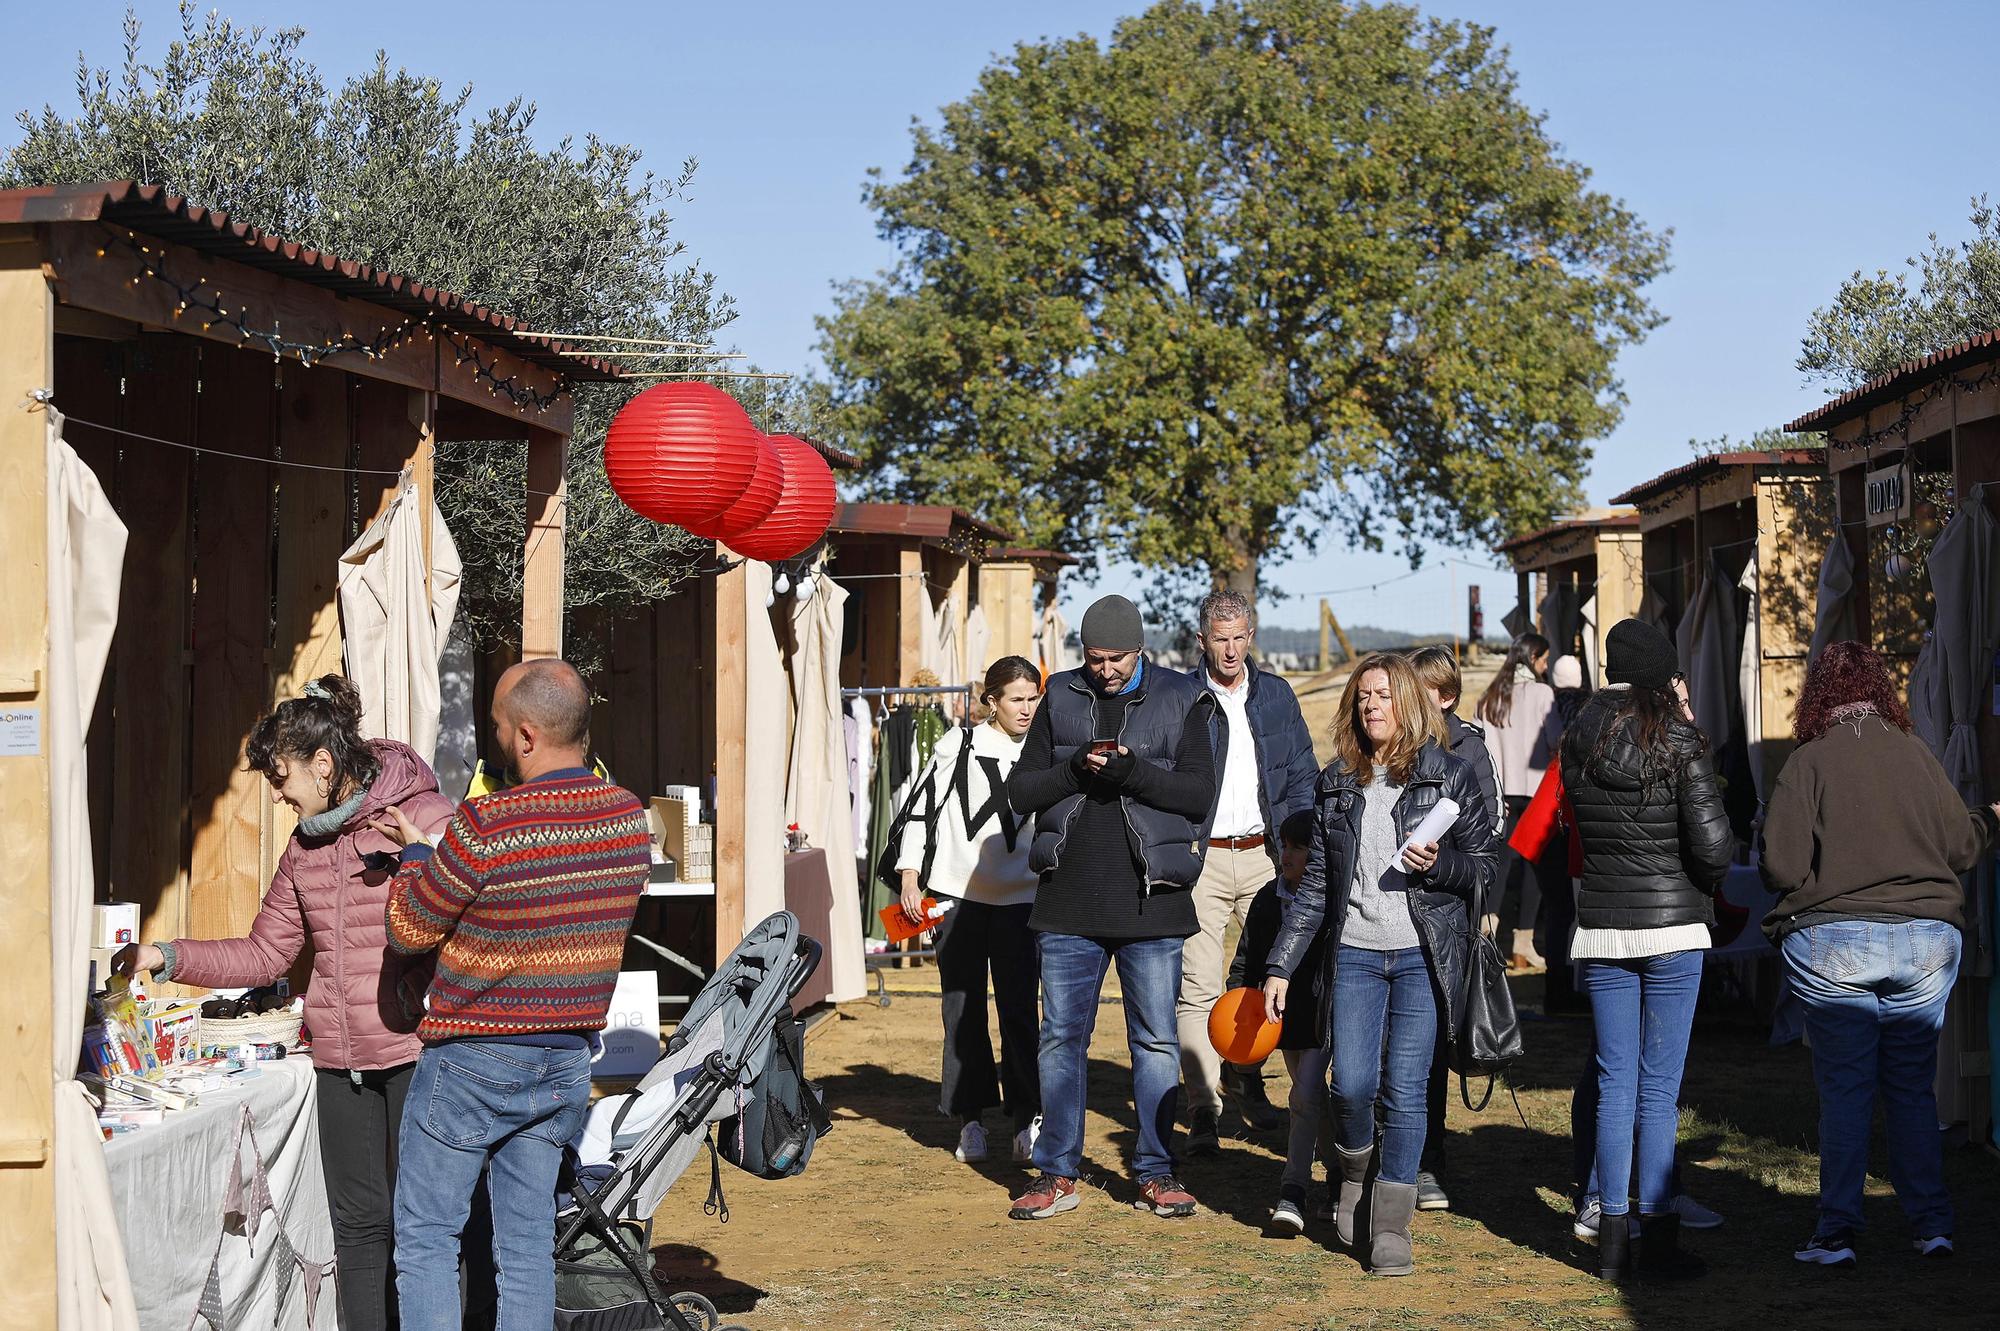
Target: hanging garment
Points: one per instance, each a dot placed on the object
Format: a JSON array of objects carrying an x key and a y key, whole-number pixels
[
  {"x": 393, "y": 638},
  {"x": 1750, "y": 680},
  {"x": 816, "y": 793},
  {"x": 895, "y": 739},
  {"x": 1588, "y": 617},
  {"x": 854, "y": 732},
  {"x": 978, "y": 641},
  {"x": 1707, "y": 646},
  {"x": 1833, "y": 617},
  {"x": 932, "y": 725},
  {"x": 950, "y": 664},
  {"x": 84, "y": 563}
]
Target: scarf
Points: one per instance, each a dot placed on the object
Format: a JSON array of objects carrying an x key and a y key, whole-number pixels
[{"x": 329, "y": 823}]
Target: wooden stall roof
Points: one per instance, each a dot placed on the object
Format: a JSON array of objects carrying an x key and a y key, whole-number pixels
[
  {"x": 1025, "y": 555},
  {"x": 152, "y": 210},
  {"x": 930, "y": 522},
  {"x": 1524, "y": 548},
  {"x": 1906, "y": 378},
  {"x": 1719, "y": 464},
  {"x": 837, "y": 458}
]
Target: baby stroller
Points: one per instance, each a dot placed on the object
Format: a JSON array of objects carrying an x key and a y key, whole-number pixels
[{"x": 736, "y": 1060}]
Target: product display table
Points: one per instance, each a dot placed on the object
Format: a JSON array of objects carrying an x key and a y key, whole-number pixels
[{"x": 204, "y": 1221}]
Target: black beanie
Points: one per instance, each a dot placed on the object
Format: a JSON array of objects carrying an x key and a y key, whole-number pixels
[
  {"x": 1112, "y": 624},
  {"x": 1637, "y": 653}
]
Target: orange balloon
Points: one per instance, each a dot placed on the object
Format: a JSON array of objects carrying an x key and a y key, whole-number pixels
[{"x": 1238, "y": 1028}]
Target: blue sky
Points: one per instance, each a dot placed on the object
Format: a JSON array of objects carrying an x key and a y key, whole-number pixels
[{"x": 1786, "y": 144}]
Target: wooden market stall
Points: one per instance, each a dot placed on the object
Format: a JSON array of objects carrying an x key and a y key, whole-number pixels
[
  {"x": 1905, "y": 454},
  {"x": 1018, "y": 586},
  {"x": 913, "y": 572},
  {"x": 248, "y": 406},
  {"x": 1751, "y": 525},
  {"x": 1579, "y": 577}
]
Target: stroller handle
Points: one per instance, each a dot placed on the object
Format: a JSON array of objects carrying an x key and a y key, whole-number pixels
[{"x": 805, "y": 960}]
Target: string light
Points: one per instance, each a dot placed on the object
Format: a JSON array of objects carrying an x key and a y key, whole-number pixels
[
  {"x": 1915, "y": 401},
  {"x": 207, "y": 298}
]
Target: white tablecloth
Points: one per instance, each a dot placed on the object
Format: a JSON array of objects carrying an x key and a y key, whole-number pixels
[{"x": 170, "y": 1183}]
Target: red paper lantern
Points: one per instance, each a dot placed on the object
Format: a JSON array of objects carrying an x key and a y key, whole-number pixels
[
  {"x": 759, "y": 497},
  {"x": 681, "y": 453},
  {"x": 804, "y": 511}
]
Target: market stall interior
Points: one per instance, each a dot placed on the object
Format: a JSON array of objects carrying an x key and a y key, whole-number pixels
[{"x": 255, "y": 422}]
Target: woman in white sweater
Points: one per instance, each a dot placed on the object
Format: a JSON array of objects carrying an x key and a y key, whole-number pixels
[
  {"x": 1523, "y": 735},
  {"x": 973, "y": 850}
]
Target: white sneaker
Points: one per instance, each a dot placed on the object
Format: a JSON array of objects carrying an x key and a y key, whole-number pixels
[
  {"x": 971, "y": 1143},
  {"x": 1024, "y": 1141}
]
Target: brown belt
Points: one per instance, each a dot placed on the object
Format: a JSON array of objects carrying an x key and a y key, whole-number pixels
[{"x": 1255, "y": 841}]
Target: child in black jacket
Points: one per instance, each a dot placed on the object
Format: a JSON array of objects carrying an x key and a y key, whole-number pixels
[{"x": 1305, "y": 1058}]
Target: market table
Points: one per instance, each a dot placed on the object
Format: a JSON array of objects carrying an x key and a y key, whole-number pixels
[{"x": 271, "y": 1252}]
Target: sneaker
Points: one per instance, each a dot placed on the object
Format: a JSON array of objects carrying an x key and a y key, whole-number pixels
[
  {"x": 1050, "y": 1195},
  {"x": 1165, "y": 1196},
  {"x": 1937, "y": 1245},
  {"x": 1431, "y": 1195},
  {"x": 971, "y": 1143},
  {"x": 1246, "y": 1087},
  {"x": 1288, "y": 1216},
  {"x": 1204, "y": 1135},
  {"x": 1694, "y": 1215},
  {"x": 1584, "y": 1223},
  {"x": 1835, "y": 1249},
  {"x": 1024, "y": 1141}
]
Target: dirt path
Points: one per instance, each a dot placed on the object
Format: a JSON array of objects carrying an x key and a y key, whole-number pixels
[{"x": 886, "y": 1230}]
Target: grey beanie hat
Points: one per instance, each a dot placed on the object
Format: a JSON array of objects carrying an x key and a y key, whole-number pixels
[{"x": 1112, "y": 624}]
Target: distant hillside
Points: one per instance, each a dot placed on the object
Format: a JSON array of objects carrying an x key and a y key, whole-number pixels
[{"x": 1273, "y": 640}]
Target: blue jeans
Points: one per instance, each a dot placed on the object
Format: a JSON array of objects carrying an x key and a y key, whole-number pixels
[
  {"x": 1875, "y": 995},
  {"x": 1644, "y": 1011},
  {"x": 1149, "y": 972},
  {"x": 472, "y": 1102},
  {"x": 1380, "y": 996}
]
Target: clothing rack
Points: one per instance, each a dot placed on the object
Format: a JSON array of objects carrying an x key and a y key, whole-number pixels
[{"x": 875, "y": 963}]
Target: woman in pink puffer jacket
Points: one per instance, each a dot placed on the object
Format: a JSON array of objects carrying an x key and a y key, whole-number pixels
[{"x": 332, "y": 888}]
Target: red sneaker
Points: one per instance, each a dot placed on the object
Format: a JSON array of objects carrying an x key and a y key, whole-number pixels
[
  {"x": 1165, "y": 1196},
  {"x": 1050, "y": 1195}
]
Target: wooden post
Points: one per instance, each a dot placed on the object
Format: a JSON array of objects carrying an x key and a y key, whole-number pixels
[
  {"x": 27, "y": 1104},
  {"x": 913, "y": 607},
  {"x": 423, "y": 473},
  {"x": 732, "y": 721},
  {"x": 542, "y": 562}
]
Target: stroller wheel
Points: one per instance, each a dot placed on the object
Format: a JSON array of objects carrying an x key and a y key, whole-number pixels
[{"x": 697, "y": 1310}]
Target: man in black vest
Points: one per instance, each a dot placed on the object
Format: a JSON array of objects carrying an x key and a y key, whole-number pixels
[{"x": 1118, "y": 769}]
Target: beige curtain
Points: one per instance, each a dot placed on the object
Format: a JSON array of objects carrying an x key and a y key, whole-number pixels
[
  {"x": 978, "y": 642},
  {"x": 85, "y": 561},
  {"x": 392, "y": 638},
  {"x": 765, "y": 753},
  {"x": 816, "y": 797}
]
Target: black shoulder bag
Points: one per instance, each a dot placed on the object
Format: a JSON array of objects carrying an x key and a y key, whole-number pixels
[
  {"x": 922, "y": 792},
  {"x": 1489, "y": 1032}
]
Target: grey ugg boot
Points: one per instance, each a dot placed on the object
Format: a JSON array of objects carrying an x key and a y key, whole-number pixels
[
  {"x": 1353, "y": 1173},
  {"x": 1389, "y": 1212}
]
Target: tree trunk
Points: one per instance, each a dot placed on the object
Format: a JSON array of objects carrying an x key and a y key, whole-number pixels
[{"x": 1240, "y": 573}]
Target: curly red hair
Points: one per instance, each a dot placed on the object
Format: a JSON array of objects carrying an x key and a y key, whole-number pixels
[{"x": 1846, "y": 673}]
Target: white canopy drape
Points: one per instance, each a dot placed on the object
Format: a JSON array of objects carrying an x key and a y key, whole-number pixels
[
  {"x": 392, "y": 636},
  {"x": 1750, "y": 680},
  {"x": 816, "y": 796},
  {"x": 86, "y": 557}
]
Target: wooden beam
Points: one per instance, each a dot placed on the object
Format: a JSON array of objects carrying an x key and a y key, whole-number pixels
[
  {"x": 542, "y": 558},
  {"x": 114, "y": 284},
  {"x": 732, "y": 720},
  {"x": 27, "y": 1103},
  {"x": 913, "y": 607}
]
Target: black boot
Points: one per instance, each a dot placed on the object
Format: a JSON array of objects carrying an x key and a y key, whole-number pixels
[
  {"x": 1614, "y": 1248},
  {"x": 1660, "y": 1255}
]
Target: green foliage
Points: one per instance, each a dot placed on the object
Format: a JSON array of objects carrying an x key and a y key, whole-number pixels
[
  {"x": 1249, "y": 278},
  {"x": 1876, "y": 322},
  {"x": 1770, "y": 439},
  {"x": 393, "y": 170}
]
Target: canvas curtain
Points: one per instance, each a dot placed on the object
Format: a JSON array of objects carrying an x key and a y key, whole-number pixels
[
  {"x": 86, "y": 556},
  {"x": 766, "y": 750},
  {"x": 816, "y": 797},
  {"x": 393, "y": 638},
  {"x": 978, "y": 642},
  {"x": 1833, "y": 616},
  {"x": 1750, "y": 680}
]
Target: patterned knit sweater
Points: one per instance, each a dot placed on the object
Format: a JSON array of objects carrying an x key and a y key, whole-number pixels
[{"x": 528, "y": 898}]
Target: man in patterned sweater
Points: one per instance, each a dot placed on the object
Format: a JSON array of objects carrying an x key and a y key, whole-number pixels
[{"x": 526, "y": 899}]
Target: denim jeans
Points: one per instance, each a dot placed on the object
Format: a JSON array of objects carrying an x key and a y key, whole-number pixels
[
  {"x": 1149, "y": 972},
  {"x": 1583, "y": 1133},
  {"x": 1875, "y": 996},
  {"x": 1378, "y": 997},
  {"x": 473, "y": 1102},
  {"x": 1311, "y": 1127},
  {"x": 1644, "y": 1011}
]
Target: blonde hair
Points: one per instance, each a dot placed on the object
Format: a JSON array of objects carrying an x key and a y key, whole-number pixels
[{"x": 1418, "y": 721}]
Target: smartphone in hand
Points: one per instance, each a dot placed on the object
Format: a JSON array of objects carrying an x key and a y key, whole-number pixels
[{"x": 1106, "y": 747}]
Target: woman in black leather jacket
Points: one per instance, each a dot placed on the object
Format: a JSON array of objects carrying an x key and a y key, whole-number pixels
[
  {"x": 1399, "y": 935},
  {"x": 1656, "y": 843}
]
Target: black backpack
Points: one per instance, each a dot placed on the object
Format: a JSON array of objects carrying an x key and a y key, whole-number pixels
[{"x": 782, "y": 1113}]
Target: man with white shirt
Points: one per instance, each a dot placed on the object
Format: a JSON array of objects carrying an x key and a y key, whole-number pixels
[{"x": 1265, "y": 771}]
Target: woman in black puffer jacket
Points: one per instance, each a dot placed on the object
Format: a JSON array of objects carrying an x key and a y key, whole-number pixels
[{"x": 1656, "y": 843}]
